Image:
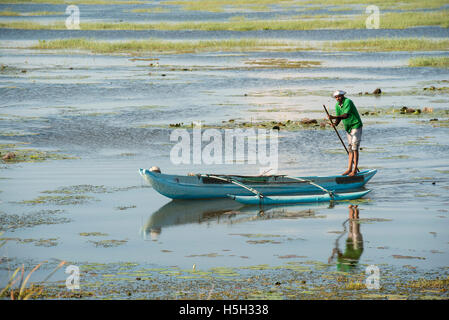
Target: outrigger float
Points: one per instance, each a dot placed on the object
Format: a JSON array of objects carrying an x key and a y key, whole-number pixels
[{"x": 272, "y": 189}]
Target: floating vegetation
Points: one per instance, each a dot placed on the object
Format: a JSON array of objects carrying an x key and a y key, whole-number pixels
[
  {"x": 370, "y": 220},
  {"x": 282, "y": 63},
  {"x": 242, "y": 45},
  {"x": 34, "y": 13},
  {"x": 29, "y": 155},
  {"x": 108, "y": 243},
  {"x": 389, "y": 44},
  {"x": 126, "y": 207},
  {"x": 430, "y": 284},
  {"x": 436, "y": 62},
  {"x": 16, "y": 133},
  {"x": 151, "y": 10},
  {"x": 88, "y": 188},
  {"x": 131, "y": 281},
  {"x": 93, "y": 234},
  {"x": 288, "y": 125},
  {"x": 291, "y": 256},
  {"x": 209, "y": 255},
  {"x": 402, "y": 156},
  {"x": 263, "y": 241},
  {"x": 76, "y": 189},
  {"x": 161, "y": 46},
  {"x": 391, "y": 20},
  {"x": 59, "y": 200},
  {"x": 11, "y": 222},
  {"x": 84, "y": 2},
  {"x": 255, "y": 235},
  {"x": 51, "y": 242},
  {"x": 398, "y": 256}
]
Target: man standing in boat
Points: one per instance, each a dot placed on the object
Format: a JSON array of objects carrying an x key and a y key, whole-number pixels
[{"x": 346, "y": 111}]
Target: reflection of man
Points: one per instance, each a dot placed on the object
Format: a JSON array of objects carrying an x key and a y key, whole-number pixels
[
  {"x": 354, "y": 243},
  {"x": 155, "y": 232}
]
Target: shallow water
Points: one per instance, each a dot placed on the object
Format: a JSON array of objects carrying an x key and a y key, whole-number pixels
[{"x": 112, "y": 112}]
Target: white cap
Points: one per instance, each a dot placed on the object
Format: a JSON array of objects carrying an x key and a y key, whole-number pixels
[{"x": 339, "y": 93}]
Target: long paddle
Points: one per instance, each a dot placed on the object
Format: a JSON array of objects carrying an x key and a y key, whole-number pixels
[{"x": 336, "y": 131}]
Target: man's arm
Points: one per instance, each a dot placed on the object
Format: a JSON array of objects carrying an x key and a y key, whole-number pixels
[{"x": 338, "y": 118}]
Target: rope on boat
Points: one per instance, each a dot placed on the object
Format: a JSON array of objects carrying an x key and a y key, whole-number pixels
[{"x": 331, "y": 194}]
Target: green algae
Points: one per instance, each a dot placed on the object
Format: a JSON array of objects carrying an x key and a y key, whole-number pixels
[
  {"x": 82, "y": 188},
  {"x": 398, "y": 256},
  {"x": 402, "y": 156},
  {"x": 209, "y": 255},
  {"x": 255, "y": 282},
  {"x": 126, "y": 207},
  {"x": 22, "y": 155},
  {"x": 92, "y": 234},
  {"x": 371, "y": 220},
  {"x": 42, "y": 242},
  {"x": 108, "y": 243},
  {"x": 224, "y": 271},
  {"x": 256, "y": 235},
  {"x": 12, "y": 222},
  {"x": 269, "y": 63},
  {"x": 263, "y": 241},
  {"x": 17, "y": 133},
  {"x": 288, "y": 125},
  {"x": 59, "y": 200}
]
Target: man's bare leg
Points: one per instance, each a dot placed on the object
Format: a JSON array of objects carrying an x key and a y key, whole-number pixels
[
  {"x": 350, "y": 162},
  {"x": 356, "y": 162}
]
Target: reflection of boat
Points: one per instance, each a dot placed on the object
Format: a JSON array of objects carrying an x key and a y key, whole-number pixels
[
  {"x": 203, "y": 186},
  {"x": 179, "y": 212},
  {"x": 226, "y": 211}
]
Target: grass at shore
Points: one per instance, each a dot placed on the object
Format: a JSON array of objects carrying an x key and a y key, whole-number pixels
[
  {"x": 154, "y": 45},
  {"x": 385, "y": 44},
  {"x": 246, "y": 45},
  {"x": 396, "y": 20},
  {"x": 25, "y": 14},
  {"x": 84, "y": 2},
  {"x": 151, "y": 10},
  {"x": 438, "y": 62},
  {"x": 221, "y": 5}
]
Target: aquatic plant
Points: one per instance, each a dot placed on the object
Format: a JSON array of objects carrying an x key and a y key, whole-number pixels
[
  {"x": 59, "y": 200},
  {"x": 35, "y": 13},
  {"x": 437, "y": 62},
  {"x": 42, "y": 217},
  {"x": 30, "y": 155},
  {"x": 155, "y": 45},
  {"x": 391, "y": 20},
  {"x": 387, "y": 44},
  {"x": 243, "y": 45},
  {"x": 84, "y": 2},
  {"x": 22, "y": 292},
  {"x": 108, "y": 243}
]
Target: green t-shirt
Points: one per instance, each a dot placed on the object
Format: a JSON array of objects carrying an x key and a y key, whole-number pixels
[{"x": 353, "y": 120}]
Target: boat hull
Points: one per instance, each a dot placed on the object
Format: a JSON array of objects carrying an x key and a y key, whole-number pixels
[
  {"x": 298, "y": 198},
  {"x": 200, "y": 187}
]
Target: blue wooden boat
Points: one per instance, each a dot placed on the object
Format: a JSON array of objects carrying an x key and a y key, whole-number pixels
[
  {"x": 205, "y": 186},
  {"x": 309, "y": 198}
]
